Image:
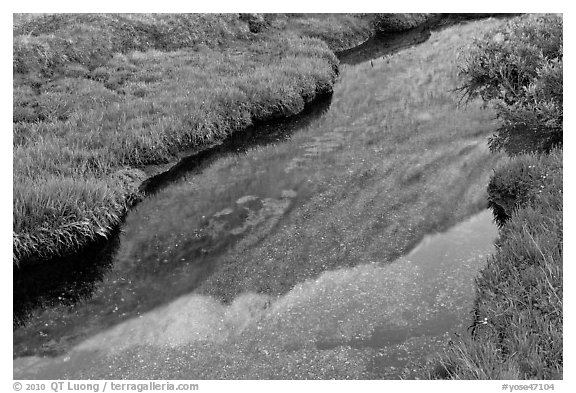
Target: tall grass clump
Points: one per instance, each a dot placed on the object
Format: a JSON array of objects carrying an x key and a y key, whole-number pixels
[
  {"x": 52, "y": 214},
  {"x": 517, "y": 330},
  {"x": 521, "y": 181},
  {"x": 338, "y": 31},
  {"x": 518, "y": 69}
]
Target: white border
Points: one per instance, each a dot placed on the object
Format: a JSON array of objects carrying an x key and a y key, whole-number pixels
[{"x": 296, "y": 6}]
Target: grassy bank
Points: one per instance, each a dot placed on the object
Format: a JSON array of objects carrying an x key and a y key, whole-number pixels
[
  {"x": 519, "y": 293},
  {"x": 98, "y": 96},
  {"x": 517, "y": 331}
]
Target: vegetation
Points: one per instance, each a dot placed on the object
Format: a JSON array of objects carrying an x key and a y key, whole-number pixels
[
  {"x": 339, "y": 31},
  {"x": 399, "y": 22},
  {"x": 518, "y": 68},
  {"x": 521, "y": 181},
  {"x": 96, "y": 96},
  {"x": 99, "y": 96},
  {"x": 518, "y": 309},
  {"x": 517, "y": 328}
]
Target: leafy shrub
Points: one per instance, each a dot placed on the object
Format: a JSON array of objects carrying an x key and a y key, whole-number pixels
[
  {"x": 518, "y": 67},
  {"x": 522, "y": 180}
]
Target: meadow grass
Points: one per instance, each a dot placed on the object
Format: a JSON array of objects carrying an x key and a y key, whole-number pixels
[
  {"x": 96, "y": 96},
  {"x": 339, "y": 31},
  {"x": 521, "y": 181},
  {"x": 388, "y": 23}
]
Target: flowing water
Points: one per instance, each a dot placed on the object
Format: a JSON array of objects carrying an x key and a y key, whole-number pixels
[
  {"x": 278, "y": 254},
  {"x": 369, "y": 321}
]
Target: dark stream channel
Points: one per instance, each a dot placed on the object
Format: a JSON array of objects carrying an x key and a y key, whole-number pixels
[{"x": 194, "y": 214}]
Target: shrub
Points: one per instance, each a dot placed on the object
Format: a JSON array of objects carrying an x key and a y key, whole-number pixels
[{"x": 518, "y": 68}]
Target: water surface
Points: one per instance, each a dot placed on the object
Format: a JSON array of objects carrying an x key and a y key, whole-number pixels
[{"x": 385, "y": 318}]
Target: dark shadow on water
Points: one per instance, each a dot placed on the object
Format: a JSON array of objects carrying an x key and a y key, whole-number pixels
[
  {"x": 384, "y": 44},
  {"x": 260, "y": 134},
  {"x": 61, "y": 280},
  {"x": 66, "y": 280}
]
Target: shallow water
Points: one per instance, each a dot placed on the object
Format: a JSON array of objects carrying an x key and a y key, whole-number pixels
[
  {"x": 388, "y": 317},
  {"x": 281, "y": 250}
]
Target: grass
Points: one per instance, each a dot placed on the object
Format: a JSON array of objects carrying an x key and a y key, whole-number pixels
[
  {"x": 520, "y": 182},
  {"x": 399, "y": 22},
  {"x": 339, "y": 31},
  {"x": 96, "y": 96}
]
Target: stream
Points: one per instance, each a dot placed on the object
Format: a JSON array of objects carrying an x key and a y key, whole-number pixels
[
  {"x": 322, "y": 246},
  {"x": 377, "y": 321}
]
